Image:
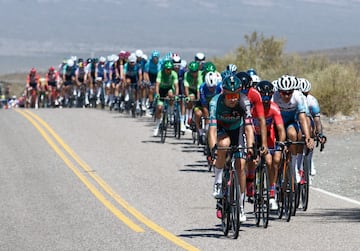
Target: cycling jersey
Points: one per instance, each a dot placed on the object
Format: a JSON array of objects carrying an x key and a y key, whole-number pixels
[
  {"x": 272, "y": 117},
  {"x": 290, "y": 110},
  {"x": 80, "y": 73},
  {"x": 167, "y": 81},
  {"x": 256, "y": 102},
  {"x": 101, "y": 71},
  {"x": 229, "y": 118},
  {"x": 206, "y": 95},
  {"x": 52, "y": 78},
  {"x": 193, "y": 83},
  {"x": 313, "y": 105},
  {"x": 152, "y": 69},
  {"x": 132, "y": 72}
]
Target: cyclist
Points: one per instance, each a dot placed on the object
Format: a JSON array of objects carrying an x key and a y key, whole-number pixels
[
  {"x": 273, "y": 121},
  {"x": 67, "y": 81},
  {"x": 256, "y": 102},
  {"x": 140, "y": 61},
  {"x": 208, "y": 67},
  {"x": 32, "y": 86},
  {"x": 167, "y": 85},
  {"x": 208, "y": 89},
  {"x": 133, "y": 78},
  {"x": 230, "y": 124},
  {"x": 316, "y": 125},
  {"x": 53, "y": 81},
  {"x": 151, "y": 69},
  {"x": 192, "y": 82},
  {"x": 180, "y": 72},
  {"x": 81, "y": 75},
  {"x": 293, "y": 111}
]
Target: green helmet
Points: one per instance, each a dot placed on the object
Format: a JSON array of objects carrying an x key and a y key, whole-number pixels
[
  {"x": 232, "y": 83},
  {"x": 168, "y": 64},
  {"x": 209, "y": 67},
  {"x": 194, "y": 66}
]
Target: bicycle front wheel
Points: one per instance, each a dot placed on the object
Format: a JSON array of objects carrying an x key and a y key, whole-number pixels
[
  {"x": 163, "y": 127},
  {"x": 234, "y": 202}
]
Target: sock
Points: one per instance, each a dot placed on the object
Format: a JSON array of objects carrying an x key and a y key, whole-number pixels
[
  {"x": 300, "y": 161},
  {"x": 218, "y": 175},
  {"x": 242, "y": 200}
]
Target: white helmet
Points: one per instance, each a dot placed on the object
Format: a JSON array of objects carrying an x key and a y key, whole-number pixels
[
  {"x": 199, "y": 56},
  {"x": 231, "y": 67},
  {"x": 102, "y": 59},
  {"x": 132, "y": 58},
  {"x": 286, "y": 83},
  {"x": 275, "y": 84},
  {"x": 70, "y": 62},
  {"x": 183, "y": 63},
  {"x": 177, "y": 59},
  {"x": 145, "y": 57},
  {"x": 305, "y": 85},
  {"x": 212, "y": 79},
  {"x": 255, "y": 79},
  {"x": 139, "y": 53}
]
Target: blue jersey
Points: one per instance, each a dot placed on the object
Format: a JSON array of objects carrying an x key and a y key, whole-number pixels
[
  {"x": 206, "y": 94},
  {"x": 132, "y": 72},
  {"x": 152, "y": 69}
]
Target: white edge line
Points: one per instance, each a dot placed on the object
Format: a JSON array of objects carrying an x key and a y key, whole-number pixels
[{"x": 336, "y": 196}]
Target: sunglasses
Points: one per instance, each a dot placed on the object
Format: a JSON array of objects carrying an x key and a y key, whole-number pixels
[
  {"x": 230, "y": 96},
  {"x": 265, "y": 98},
  {"x": 288, "y": 93}
]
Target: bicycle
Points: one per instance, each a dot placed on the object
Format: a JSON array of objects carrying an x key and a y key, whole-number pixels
[
  {"x": 164, "y": 123},
  {"x": 262, "y": 193},
  {"x": 177, "y": 117},
  {"x": 303, "y": 187},
  {"x": 286, "y": 185},
  {"x": 229, "y": 205}
]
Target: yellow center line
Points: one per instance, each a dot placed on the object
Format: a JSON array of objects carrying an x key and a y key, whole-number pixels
[
  {"x": 113, "y": 194},
  {"x": 87, "y": 183}
]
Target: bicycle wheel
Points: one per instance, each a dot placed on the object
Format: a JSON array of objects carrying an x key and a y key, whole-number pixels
[
  {"x": 288, "y": 198},
  {"x": 280, "y": 192},
  {"x": 234, "y": 202},
  {"x": 225, "y": 207},
  {"x": 177, "y": 123},
  {"x": 304, "y": 191},
  {"x": 257, "y": 197},
  {"x": 163, "y": 127},
  {"x": 296, "y": 193},
  {"x": 265, "y": 196}
]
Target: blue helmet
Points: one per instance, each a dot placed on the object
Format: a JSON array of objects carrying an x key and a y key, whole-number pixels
[
  {"x": 155, "y": 53},
  {"x": 232, "y": 83}
]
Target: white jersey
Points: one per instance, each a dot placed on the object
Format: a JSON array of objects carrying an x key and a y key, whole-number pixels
[
  {"x": 290, "y": 110},
  {"x": 314, "y": 107}
]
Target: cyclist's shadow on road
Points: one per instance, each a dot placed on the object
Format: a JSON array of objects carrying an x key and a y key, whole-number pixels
[{"x": 327, "y": 215}]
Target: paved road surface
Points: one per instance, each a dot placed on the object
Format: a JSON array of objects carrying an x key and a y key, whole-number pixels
[{"x": 100, "y": 181}]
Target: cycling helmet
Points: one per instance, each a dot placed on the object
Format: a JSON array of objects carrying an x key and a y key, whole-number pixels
[
  {"x": 305, "y": 85},
  {"x": 245, "y": 79},
  {"x": 145, "y": 57},
  {"x": 275, "y": 84},
  {"x": 194, "y": 66},
  {"x": 155, "y": 53},
  {"x": 199, "y": 56},
  {"x": 89, "y": 60},
  {"x": 211, "y": 79},
  {"x": 70, "y": 63},
  {"x": 226, "y": 73},
  {"x": 52, "y": 68},
  {"x": 32, "y": 71},
  {"x": 232, "y": 68},
  {"x": 168, "y": 64},
  {"x": 265, "y": 88},
  {"x": 183, "y": 63},
  {"x": 139, "y": 53},
  {"x": 209, "y": 67},
  {"x": 255, "y": 79},
  {"x": 232, "y": 83},
  {"x": 102, "y": 59},
  {"x": 176, "y": 60},
  {"x": 251, "y": 72},
  {"x": 132, "y": 58},
  {"x": 286, "y": 83},
  {"x": 296, "y": 81}
]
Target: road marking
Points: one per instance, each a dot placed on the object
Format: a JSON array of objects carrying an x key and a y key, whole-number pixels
[
  {"x": 87, "y": 183},
  {"x": 336, "y": 196},
  {"x": 171, "y": 237}
]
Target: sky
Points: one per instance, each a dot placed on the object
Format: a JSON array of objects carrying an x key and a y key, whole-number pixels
[{"x": 43, "y": 31}]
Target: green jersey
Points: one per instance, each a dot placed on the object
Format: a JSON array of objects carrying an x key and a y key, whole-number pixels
[{"x": 167, "y": 81}]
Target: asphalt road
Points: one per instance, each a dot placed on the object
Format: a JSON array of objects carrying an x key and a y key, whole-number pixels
[{"x": 93, "y": 180}]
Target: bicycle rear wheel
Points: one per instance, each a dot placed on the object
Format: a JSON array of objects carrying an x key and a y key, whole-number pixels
[
  {"x": 225, "y": 204},
  {"x": 304, "y": 189}
]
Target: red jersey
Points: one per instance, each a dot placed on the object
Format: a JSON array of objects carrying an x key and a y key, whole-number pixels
[
  {"x": 256, "y": 101},
  {"x": 272, "y": 117}
]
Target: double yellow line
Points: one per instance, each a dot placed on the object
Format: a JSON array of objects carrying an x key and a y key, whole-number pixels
[{"x": 36, "y": 121}]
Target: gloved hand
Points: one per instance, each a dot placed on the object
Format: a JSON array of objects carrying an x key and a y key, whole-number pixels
[{"x": 187, "y": 99}]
